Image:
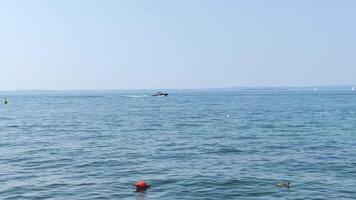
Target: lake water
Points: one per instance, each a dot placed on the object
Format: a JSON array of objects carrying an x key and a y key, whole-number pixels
[{"x": 189, "y": 145}]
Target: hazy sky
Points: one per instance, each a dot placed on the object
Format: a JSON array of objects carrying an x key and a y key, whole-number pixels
[{"x": 126, "y": 44}]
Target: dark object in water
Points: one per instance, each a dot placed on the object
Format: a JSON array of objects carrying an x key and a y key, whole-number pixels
[
  {"x": 141, "y": 186},
  {"x": 159, "y": 94},
  {"x": 5, "y": 100},
  {"x": 283, "y": 185}
]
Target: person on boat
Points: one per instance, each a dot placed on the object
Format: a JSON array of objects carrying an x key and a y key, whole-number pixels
[{"x": 5, "y": 100}]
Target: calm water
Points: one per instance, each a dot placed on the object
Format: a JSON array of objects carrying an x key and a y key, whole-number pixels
[{"x": 189, "y": 145}]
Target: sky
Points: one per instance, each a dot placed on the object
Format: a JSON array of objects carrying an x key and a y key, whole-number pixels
[{"x": 178, "y": 44}]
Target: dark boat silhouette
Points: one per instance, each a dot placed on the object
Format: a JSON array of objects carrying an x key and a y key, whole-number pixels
[{"x": 160, "y": 94}]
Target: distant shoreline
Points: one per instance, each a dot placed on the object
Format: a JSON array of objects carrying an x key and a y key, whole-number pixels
[{"x": 243, "y": 88}]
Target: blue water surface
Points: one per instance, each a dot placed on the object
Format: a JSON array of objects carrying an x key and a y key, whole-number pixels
[{"x": 83, "y": 145}]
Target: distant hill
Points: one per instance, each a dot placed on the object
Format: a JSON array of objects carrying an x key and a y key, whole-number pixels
[{"x": 307, "y": 88}]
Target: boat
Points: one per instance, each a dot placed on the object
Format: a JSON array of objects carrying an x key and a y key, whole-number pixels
[
  {"x": 353, "y": 88},
  {"x": 160, "y": 94}
]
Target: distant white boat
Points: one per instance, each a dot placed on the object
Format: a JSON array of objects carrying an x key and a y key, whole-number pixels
[
  {"x": 353, "y": 89},
  {"x": 315, "y": 89}
]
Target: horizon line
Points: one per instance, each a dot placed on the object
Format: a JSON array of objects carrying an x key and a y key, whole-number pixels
[{"x": 207, "y": 88}]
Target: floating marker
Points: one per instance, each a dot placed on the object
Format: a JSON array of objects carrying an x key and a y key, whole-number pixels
[{"x": 141, "y": 186}]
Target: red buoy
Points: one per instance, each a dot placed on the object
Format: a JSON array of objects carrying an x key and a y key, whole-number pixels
[{"x": 141, "y": 186}]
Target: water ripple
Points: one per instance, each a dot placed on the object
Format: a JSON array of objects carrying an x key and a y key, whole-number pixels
[{"x": 191, "y": 145}]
